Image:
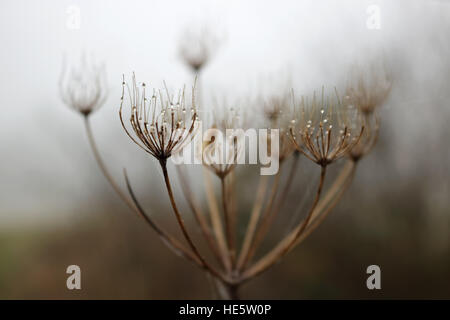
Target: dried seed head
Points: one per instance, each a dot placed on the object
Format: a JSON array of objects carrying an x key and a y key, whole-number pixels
[
  {"x": 223, "y": 147},
  {"x": 368, "y": 138},
  {"x": 327, "y": 129},
  {"x": 368, "y": 90},
  {"x": 275, "y": 108},
  {"x": 162, "y": 123},
  {"x": 277, "y": 113},
  {"x": 83, "y": 88},
  {"x": 196, "y": 47}
]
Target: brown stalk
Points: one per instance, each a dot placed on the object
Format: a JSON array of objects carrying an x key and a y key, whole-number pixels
[
  {"x": 330, "y": 201},
  {"x": 277, "y": 207},
  {"x": 288, "y": 184},
  {"x": 233, "y": 208},
  {"x": 227, "y": 218},
  {"x": 102, "y": 165},
  {"x": 200, "y": 217},
  {"x": 206, "y": 265},
  {"x": 276, "y": 254},
  {"x": 171, "y": 242},
  {"x": 254, "y": 217},
  {"x": 216, "y": 221},
  {"x": 259, "y": 233}
]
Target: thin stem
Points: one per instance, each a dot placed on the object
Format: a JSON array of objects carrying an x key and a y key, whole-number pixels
[
  {"x": 288, "y": 184},
  {"x": 171, "y": 242},
  {"x": 200, "y": 218},
  {"x": 286, "y": 244},
  {"x": 180, "y": 221},
  {"x": 228, "y": 227},
  {"x": 233, "y": 209},
  {"x": 215, "y": 218},
  {"x": 274, "y": 209},
  {"x": 258, "y": 236},
  {"x": 103, "y": 168},
  {"x": 254, "y": 217},
  {"x": 329, "y": 203}
]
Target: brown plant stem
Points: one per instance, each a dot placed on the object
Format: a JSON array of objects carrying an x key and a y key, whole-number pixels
[
  {"x": 206, "y": 265},
  {"x": 254, "y": 217},
  {"x": 288, "y": 184},
  {"x": 102, "y": 165},
  {"x": 276, "y": 254},
  {"x": 227, "y": 291},
  {"x": 200, "y": 218},
  {"x": 330, "y": 202},
  {"x": 215, "y": 218},
  {"x": 258, "y": 236},
  {"x": 171, "y": 242},
  {"x": 228, "y": 226},
  {"x": 132, "y": 202},
  {"x": 274, "y": 209},
  {"x": 233, "y": 206}
]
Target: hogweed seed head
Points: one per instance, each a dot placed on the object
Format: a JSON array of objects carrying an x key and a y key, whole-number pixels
[
  {"x": 368, "y": 138},
  {"x": 368, "y": 91},
  {"x": 326, "y": 129},
  {"x": 277, "y": 114},
  {"x": 162, "y": 123},
  {"x": 196, "y": 47},
  {"x": 83, "y": 88},
  {"x": 220, "y": 152}
]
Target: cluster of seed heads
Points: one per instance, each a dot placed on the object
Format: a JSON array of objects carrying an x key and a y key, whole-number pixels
[{"x": 322, "y": 129}]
